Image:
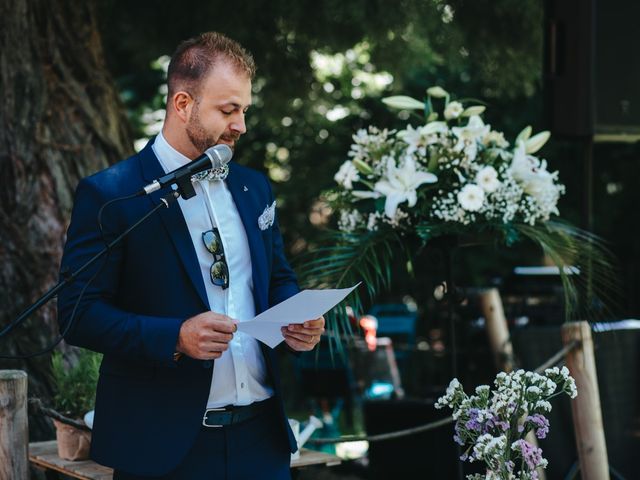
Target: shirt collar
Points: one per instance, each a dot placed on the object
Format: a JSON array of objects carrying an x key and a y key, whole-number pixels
[{"x": 169, "y": 157}]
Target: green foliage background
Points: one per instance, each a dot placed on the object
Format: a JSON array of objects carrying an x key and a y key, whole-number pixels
[{"x": 491, "y": 50}]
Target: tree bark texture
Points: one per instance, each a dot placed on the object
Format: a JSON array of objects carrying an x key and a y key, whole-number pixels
[{"x": 60, "y": 120}]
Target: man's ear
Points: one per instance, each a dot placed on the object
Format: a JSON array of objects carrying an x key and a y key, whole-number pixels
[{"x": 182, "y": 103}]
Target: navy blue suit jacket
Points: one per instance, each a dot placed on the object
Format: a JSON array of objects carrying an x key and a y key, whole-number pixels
[{"x": 149, "y": 407}]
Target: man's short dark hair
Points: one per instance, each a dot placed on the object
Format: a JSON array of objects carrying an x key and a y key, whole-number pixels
[{"x": 194, "y": 58}]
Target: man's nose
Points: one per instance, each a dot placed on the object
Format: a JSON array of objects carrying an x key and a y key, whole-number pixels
[{"x": 239, "y": 125}]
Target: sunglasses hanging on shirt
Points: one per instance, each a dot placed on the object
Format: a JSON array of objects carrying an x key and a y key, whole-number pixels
[{"x": 219, "y": 271}]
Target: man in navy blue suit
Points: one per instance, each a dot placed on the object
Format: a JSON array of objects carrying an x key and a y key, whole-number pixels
[{"x": 182, "y": 394}]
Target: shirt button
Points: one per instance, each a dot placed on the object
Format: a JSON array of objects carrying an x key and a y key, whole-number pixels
[
  {"x": 207, "y": 364},
  {"x": 242, "y": 385}
]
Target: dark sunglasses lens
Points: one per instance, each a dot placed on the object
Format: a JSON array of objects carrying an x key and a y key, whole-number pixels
[
  {"x": 211, "y": 242},
  {"x": 220, "y": 274}
]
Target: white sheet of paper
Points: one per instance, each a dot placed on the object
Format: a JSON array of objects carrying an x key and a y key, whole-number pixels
[{"x": 306, "y": 305}]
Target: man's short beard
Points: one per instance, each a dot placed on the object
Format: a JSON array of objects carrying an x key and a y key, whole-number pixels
[{"x": 197, "y": 133}]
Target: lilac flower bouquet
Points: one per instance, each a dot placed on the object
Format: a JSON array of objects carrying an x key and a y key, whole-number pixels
[{"x": 492, "y": 426}]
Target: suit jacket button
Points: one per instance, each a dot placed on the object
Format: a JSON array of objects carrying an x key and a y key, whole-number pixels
[{"x": 207, "y": 364}]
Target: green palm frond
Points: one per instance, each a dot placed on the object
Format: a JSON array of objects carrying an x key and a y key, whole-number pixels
[
  {"x": 347, "y": 260},
  {"x": 588, "y": 268}
]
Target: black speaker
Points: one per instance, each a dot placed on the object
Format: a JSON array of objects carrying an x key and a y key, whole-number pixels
[{"x": 592, "y": 69}]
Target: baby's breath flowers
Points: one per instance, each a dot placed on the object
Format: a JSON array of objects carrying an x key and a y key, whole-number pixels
[{"x": 492, "y": 426}]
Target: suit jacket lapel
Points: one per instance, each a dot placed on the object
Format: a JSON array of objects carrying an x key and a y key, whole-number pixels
[
  {"x": 249, "y": 210},
  {"x": 174, "y": 223}
]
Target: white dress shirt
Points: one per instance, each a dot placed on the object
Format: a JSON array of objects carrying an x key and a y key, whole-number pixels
[{"x": 239, "y": 375}]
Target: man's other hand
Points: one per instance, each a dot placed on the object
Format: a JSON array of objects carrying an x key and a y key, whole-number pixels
[{"x": 303, "y": 336}]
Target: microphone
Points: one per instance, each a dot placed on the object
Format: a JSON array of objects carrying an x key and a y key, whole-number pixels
[{"x": 213, "y": 157}]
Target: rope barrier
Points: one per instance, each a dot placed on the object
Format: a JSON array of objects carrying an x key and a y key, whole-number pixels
[
  {"x": 38, "y": 406},
  {"x": 382, "y": 436},
  {"x": 555, "y": 359},
  {"x": 552, "y": 361}
]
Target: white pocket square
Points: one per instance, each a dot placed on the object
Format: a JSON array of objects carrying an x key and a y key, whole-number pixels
[{"x": 265, "y": 220}]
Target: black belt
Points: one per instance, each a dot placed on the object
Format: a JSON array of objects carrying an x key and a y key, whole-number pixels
[{"x": 219, "y": 417}]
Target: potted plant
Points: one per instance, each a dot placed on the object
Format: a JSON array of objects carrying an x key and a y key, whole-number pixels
[{"x": 75, "y": 395}]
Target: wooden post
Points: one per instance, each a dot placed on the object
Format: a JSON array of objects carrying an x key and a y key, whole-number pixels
[
  {"x": 14, "y": 431},
  {"x": 497, "y": 329},
  {"x": 587, "y": 414}
]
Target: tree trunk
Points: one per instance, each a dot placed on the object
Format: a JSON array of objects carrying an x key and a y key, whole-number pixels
[{"x": 60, "y": 120}]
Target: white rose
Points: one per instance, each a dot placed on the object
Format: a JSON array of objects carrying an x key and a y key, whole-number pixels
[
  {"x": 471, "y": 197},
  {"x": 487, "y": 178}
]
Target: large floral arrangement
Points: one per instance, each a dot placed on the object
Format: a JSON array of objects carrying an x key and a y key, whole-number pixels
[
  {"x": 450, "y": 175},
  {"x": 454, "y": 169},
  {"x": 493, "y": 426}
]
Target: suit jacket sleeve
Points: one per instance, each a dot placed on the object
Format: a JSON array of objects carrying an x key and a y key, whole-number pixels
[{"x": 98, "y": 324}]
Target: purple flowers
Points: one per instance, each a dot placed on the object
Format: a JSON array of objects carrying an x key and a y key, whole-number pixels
[
  {"x": 473, "y": 423},
  {"x": 531, "y": 454},
  {"x": 491, "y": 425},
  {"x": 540, "y": 424}
]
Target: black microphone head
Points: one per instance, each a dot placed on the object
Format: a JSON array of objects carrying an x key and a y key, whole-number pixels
[{"x": 220, "y": 155}]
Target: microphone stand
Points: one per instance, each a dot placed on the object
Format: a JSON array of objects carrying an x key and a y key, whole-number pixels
[{"x": 68, "y": 277}]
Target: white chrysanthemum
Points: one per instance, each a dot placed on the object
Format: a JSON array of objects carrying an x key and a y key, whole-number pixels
[
  {"x": 453, "y": 110},
  {"x": 347, "y": 174},
  {"x": 487, "y": 178},
  {"x": 471, "y": 197}
]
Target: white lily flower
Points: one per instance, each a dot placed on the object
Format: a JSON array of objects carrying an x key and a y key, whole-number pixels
[
  {"x": 487, "y": 178},
  {"x": 432, "y": 128},
  {"x": 536, "y": 181},
  {"x": 418, "y": 138},
  {"x": 401, "y": 184},
  {"x": 365, "y": 194},
  {"x": 437, "y": 92},
  {"x": 536, "y": 142},
  {"x": 403, "y": 102},
  {"x": 497, "y": 138},
  {"x": 473, "y": 110},
  {"x": 471, "y": 197},
  {"x": 473, "y": 130},
  {"x": 412, "y": 137},
  {"x": 524, "y": 135},
  {"x": 453, "y": 110}
]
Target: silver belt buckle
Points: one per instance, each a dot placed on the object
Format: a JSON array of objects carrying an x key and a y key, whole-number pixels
[{"x": 204, "y": 418}]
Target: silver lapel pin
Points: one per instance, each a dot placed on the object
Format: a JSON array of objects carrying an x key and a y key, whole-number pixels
[{"x": 244, "y": 187}]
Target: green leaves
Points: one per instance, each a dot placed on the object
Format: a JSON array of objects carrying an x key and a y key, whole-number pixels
[{"x": 75, "y": 384}]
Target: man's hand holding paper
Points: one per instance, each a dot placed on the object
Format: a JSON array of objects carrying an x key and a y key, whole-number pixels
[{"x": 303, "y": 336}]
